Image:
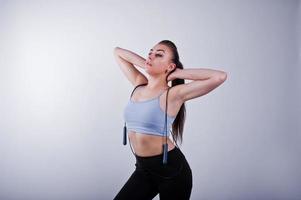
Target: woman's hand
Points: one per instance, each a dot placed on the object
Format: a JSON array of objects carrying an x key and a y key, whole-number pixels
[{"x": 173, "y": 75}]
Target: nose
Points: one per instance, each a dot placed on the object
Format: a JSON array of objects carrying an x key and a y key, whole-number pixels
[{"x": 150, "y": 56}]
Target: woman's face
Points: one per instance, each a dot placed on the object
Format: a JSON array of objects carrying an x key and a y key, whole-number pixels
[{"x": 159, "y": 60}]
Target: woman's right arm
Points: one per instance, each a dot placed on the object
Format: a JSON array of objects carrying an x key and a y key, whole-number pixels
[{"x": 126, "y": 60}]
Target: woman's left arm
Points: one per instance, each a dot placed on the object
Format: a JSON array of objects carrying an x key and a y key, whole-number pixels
[{"x": 203, "y": 81}]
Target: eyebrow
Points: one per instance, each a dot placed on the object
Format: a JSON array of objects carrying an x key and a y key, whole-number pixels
[{"x": 158, "y": 50}]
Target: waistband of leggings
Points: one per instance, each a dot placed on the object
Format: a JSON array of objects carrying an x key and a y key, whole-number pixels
[{"x": 171, "y": 153}]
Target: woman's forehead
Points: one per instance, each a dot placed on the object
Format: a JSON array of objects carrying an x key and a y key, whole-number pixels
[{"x": 160, "y": 47}]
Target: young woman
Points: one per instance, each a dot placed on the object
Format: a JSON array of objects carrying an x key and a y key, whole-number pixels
[{"x": 150, "y": 101}]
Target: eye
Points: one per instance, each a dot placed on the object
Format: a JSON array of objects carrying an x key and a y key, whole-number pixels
[{"x": 157, "y": 55}]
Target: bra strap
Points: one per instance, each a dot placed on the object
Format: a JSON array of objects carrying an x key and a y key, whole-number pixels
[{"x": 136, "y": 87}]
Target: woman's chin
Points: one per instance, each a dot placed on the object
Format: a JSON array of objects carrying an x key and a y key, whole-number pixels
[
  {"x": 149, "y": 71},
  {"x": 147, "y": 68}
]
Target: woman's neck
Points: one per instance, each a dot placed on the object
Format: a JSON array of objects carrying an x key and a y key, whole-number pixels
[{"x": 156, "y": 83}]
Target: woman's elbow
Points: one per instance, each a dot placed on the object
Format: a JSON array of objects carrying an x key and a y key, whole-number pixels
[
  {"x": 223, "y": 76},
  {"x": 220, "y": 77},
  {"x": 117, "y": 50}
]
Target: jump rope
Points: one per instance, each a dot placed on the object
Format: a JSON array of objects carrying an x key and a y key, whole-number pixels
[{"x": 165, "y": 145}]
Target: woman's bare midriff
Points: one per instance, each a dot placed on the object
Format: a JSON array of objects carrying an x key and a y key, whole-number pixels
[{"x": 148, "y": 145}]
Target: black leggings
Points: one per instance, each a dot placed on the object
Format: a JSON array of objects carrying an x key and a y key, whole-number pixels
[{"x": 172, "y": 180}]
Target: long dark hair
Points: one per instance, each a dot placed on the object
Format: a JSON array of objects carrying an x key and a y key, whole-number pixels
[{"x": 178, "y": 124}]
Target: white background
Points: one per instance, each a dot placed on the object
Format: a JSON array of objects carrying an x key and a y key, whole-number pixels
[{"x": 62, "y": 96}]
